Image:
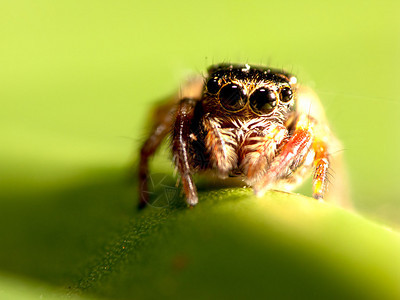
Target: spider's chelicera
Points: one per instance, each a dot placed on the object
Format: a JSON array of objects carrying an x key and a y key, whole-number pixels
[{"x": 242, "y": 120}]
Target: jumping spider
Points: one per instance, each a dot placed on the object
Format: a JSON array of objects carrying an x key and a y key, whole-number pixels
[{"x": 248, "y": 121}]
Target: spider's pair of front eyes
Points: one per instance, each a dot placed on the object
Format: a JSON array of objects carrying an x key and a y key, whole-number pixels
[{"x": 233, "y": 98}]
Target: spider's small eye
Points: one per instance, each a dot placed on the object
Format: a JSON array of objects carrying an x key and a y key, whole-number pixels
[
  {"x": 286, "y": 94},
  {"x": 232, "y": 97},
  {"x": 213, "y": 85},
  {"x": 263, "y": 100}
]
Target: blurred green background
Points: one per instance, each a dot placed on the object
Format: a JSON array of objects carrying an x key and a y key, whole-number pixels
[{"x": 78, "y": 79}]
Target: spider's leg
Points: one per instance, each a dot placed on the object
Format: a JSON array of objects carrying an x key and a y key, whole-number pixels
[
  {"x": 321, "y": 165},
  {"x": 181, "y": 147},
  {"x": 291, "y": 156},
  {"x": 164, "y": 119}
]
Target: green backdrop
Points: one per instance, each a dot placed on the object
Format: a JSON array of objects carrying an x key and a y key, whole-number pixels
[{"x": 77, "y": 80}]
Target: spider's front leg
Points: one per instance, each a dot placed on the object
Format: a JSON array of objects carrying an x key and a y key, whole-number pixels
[
  {"x": 306, "y": 137},
  {"x": 181, "y": 147}
]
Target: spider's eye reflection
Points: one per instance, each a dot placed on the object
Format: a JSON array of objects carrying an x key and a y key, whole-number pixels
[
  {"x": 232, "y": 97},
  {"x": 263, "y": 100},
  {"x": 286, "y": 94},
  {"x": 213, "y": 85}
]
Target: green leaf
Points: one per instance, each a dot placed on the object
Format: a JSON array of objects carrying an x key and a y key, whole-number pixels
[
  {"x": 88, "y": 240},
  {"x": 233, "y": 245},
  {"x": 17, "y": 288}
]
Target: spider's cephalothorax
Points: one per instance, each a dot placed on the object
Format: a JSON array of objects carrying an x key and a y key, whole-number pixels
[{"x": 247, "y": 121}]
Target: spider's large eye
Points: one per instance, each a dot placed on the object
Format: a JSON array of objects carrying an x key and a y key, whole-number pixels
[
  {"x": 232, "y": 97},
  {"x": 286, "y": 94},
  {"x": 263, "y": 100},
  {"x": 213, "y": 85}
]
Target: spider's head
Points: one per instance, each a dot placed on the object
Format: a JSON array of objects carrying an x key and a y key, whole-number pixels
[{"x": 256, "y": 90}]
